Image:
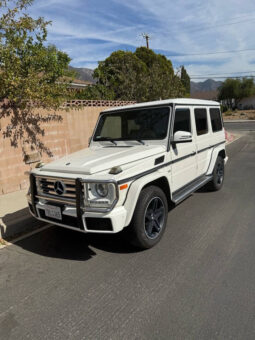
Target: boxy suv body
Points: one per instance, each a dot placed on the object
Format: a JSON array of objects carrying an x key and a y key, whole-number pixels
[{"x": 141, "y": 160}]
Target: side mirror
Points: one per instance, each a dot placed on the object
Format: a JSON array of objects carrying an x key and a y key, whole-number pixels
[{"x": 182, "y": 137}]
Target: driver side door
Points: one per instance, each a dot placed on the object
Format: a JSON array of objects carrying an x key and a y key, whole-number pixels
[{"x": 183, "y": 154}]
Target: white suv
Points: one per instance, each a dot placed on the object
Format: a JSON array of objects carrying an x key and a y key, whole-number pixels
[{"x": 141, "y": 159}]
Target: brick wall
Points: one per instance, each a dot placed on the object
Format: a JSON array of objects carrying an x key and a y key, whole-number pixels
[{"x": 62, "y": 138}]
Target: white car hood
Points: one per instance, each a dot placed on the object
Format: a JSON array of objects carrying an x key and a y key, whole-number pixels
[{"x": 97, "y": 159}]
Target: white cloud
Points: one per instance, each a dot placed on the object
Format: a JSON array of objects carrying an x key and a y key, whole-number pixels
[{"x": 91, "y": 30}]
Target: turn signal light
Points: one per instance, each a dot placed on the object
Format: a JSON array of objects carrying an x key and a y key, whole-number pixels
[{"x": 124, "y": 186}]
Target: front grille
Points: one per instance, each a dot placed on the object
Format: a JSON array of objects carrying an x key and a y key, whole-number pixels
[{"x": 46, "y": 189}]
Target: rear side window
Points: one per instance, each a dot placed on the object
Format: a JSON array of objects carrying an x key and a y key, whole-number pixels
[
  {"x": 182, "y": 120},
  {"x": 201, "y": 121},
  {"x": 216, "y": 120}
]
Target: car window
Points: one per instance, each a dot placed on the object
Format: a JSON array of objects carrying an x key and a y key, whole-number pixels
[
  {"x": 147, "y": 124},
  {"x": 216, "y": 119},
  {"x": 182, "y": 120},
  {"x": 201, "y": 121},
  {"x": 112, "y": 127}
]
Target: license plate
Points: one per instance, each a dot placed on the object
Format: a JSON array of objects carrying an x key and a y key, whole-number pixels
[{"x": 53, "y": 212}]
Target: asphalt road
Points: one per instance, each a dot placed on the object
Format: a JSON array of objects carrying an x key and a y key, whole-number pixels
[
  {"x": 197, "y": 283},
  {"x": 237, "y": 126}
]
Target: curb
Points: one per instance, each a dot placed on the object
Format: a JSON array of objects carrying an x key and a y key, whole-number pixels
[
  {"x": 14, "y": 226},
  {"x": 232, "y": 141},
  {"x": 229, "y": 137},
  {"x": 4, "y": 243},
  {"x": 239, "y": 121}
]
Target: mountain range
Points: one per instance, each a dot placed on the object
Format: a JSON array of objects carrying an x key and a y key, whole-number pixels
[
  {"x": 208, "y": 87},
  {"x": 204, "y": 86},
  {"x": 83, "y": 73}
]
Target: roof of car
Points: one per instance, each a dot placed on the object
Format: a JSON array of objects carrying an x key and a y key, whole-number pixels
[{"x": 177, "y": 101}]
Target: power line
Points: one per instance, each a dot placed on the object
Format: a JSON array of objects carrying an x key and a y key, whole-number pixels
[
  {"x": 216, "y": 74},
  {"x": 220, "y": 77},
  {"x": 209, "y": 53},
  {"x": 202, "y": 29}
]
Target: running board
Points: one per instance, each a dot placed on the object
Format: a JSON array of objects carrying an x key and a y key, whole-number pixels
[{"x": 188, "y": 189}]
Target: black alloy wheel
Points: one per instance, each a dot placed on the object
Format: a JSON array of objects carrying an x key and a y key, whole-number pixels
[
  {"x": 149, "y": 219},
  {"x": 154, "y": 217}
]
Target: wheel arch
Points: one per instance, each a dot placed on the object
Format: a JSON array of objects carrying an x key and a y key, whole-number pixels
[
  {"x": 163, "y": 184},
  {"x": 137, "y": 186},
  {"x": 218, "y": 151},
  {"x": 222, "y": 154}
]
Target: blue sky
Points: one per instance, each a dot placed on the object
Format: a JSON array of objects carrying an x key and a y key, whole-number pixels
[{"x": 183, "y": 30}]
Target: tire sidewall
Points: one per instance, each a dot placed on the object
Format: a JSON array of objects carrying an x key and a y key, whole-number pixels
[
  {"x": 140, "y": 237},
  {"x": 217, "y": 185}
]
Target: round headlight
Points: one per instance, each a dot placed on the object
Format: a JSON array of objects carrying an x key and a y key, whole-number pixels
[{"x": 102, "y": 189}]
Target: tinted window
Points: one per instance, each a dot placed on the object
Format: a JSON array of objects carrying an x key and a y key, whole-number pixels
[
  {"x": 201, "y": 121},
  {"x": 182, "y": 120},
  {"x": 216, "y": 120},
  {"x": 133, "y": 124}
]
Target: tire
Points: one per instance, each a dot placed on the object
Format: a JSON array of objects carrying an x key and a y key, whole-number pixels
[
  {"x": 150, "y": 217},
  {"x": 218, "y": 175}
]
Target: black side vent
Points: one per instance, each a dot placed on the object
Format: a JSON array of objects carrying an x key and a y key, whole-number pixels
[
  {"x": 93, "y": 223},
  {"x": 159, "y": 160}
]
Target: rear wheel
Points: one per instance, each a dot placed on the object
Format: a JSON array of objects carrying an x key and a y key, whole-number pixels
[
  {"x": 218, "y": 175},
  {"x": 149, "y": 219}
]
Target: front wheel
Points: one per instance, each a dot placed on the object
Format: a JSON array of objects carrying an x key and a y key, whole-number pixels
[
  {"x": 149, "y": 219},
  {"x": 218, "y": 175}
]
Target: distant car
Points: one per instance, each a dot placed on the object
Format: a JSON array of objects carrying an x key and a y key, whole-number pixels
[{"x": 141, "y": 159}]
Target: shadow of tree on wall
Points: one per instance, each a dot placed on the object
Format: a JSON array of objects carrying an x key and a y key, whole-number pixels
[{"x": 24, "y": 127}]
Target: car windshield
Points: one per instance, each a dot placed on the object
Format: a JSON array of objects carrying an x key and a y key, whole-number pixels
[{"x": 141, "y": 124}]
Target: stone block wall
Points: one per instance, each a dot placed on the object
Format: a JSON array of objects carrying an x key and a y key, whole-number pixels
[{"x": 62, "y": 138}]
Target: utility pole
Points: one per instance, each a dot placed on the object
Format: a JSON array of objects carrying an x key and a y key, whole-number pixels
[{"x": 147, "y": 38}]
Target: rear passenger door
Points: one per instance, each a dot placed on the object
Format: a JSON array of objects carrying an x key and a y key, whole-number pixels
[
  {"x": 183, "y": 155},
  {"x": 203, "y": 139},
  {"x": 218, "y": 135}
]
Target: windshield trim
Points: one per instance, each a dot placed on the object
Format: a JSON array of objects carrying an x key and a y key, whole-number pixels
[{"x": 134, "y": 109}]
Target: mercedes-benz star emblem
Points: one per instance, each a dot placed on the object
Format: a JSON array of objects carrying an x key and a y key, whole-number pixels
[{"x": 59, "y": 187}]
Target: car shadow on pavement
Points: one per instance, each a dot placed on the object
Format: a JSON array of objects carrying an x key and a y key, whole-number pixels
[
  {"x": 57, "y": 242},
  {"x": 15, "y": 224}
]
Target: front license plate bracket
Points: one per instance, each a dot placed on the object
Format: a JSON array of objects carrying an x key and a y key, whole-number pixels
[{"x": 53, "y": 212}]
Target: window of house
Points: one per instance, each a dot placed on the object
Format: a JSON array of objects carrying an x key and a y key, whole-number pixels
[
  {"x": 182, "y": 120},
  {"x": 201, "y": 121},
  {"x": 216, "y": 119}
]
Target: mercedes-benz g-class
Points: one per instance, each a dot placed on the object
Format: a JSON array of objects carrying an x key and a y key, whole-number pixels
[{"x": 141, "y": 160}]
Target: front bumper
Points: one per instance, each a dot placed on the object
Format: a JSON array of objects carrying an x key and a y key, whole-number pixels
[
  {"x": 74, "y": 216},
  {"x": 107, "y": 223}
]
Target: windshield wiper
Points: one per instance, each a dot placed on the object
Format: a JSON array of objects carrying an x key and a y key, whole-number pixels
[{"x": 107, "y": 139}]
